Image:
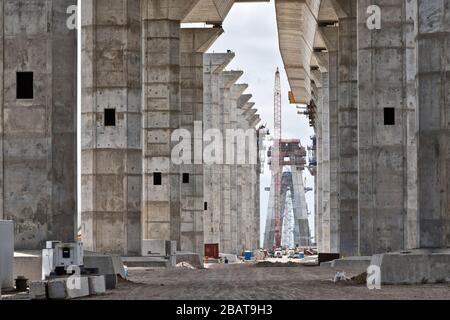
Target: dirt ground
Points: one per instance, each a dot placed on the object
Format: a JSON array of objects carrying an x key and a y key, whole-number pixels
[{"x": 248, "y": 282}]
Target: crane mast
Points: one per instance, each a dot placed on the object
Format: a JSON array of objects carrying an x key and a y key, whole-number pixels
[{"x": 276, "y": 163}]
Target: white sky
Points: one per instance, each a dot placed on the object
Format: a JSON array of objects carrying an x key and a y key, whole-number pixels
[{"x": 251, "y": 32}]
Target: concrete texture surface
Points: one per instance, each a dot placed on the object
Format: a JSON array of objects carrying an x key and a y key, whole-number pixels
[
  {"x": 38, "y": 144},
  {"x": 6, "y": 254},
  {"x": 415, "y": 267},
  {"x": 28, "y": 264}
]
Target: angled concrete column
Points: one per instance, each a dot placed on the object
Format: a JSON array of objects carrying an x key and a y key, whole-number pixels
[
  {"x": 194, "y": 43},
  {"x": 330, "y": 36},
  {"x": 236, "y": 91},
  {"x": 213, "y": 65},
  {"x": 381, "y": 129},
  {"x": 227, "y": 80},
  {"x": 161, "y": 112},
  {"x": 433, "y": 80},
  {"x": 348, "y": 129},
  {"x": 38, "y": 125},
  {"x": 111, "y": 151}
]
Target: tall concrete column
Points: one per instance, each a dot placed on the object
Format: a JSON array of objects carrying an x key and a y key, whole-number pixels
[
  {"x": 381, "y": 129},
  {"x": 348, "y": 129},
  {"x": 302, "y": 230},
  {"x": 325, "y": 147},
  {"x": 194, "y": 43},
  {"x": 330, "y": 35},
  {"x": 433, "y": 80},
  {"x": 111, "y": 143},
  {"x": 213, "y": 65},
  {"x": 411, "y": 233},
  {"x": 38, "y": 121},
  {"x": 254, "y": 185},
  {"x": 319, "y": 174},
  {"x": 227, "y": 80},
  {"x": 243, "y": 183},
  {"x": 161, "y": 111},
  {"x": 236, "y": 92}
]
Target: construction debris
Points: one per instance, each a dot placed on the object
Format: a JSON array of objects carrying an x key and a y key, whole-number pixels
[
  {"x": 340, "y": 277},
  {"x": 185, "y": 265}
]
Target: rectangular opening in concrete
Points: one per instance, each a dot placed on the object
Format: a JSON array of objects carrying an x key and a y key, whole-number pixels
[
  {"x": 206, "y": 206},
  {"x": 185, "y": 178},
  {"x": 157, "y": 178},
  {"x": 24, "y": 85},
  {"x": 110, "y": 117},
  {"x": 389, "y": 116}
]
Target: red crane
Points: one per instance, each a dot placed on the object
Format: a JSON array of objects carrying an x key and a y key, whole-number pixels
[{"x": 277, "y": 170}]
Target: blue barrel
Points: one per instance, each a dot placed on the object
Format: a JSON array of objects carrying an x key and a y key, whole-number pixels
[
  {"x": 301, "y": 255},
  {"x": 248, "y": 255}
]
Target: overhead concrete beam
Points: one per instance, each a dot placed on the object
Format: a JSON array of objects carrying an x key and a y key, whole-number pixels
[
  {"x": 237, "y": 90},
  {"x": 230, "y": 78},
  {"x": 167, "y": 9},
  {"x": 209, "y": 11},
  {"x": 296, "y": 29},
  {"x": 254, "y": 121},
  {"x": 198, "y": 40},
  {"x": 216, "y": 62},
  {"x": 243, "y": 99},
  {"x": 248, "y": 106}
]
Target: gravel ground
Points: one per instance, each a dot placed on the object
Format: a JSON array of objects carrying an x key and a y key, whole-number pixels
[{"x": 248, "y": 282}]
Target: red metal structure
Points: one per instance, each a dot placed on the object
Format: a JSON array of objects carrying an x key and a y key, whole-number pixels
[{"x": 277, "y": 169}]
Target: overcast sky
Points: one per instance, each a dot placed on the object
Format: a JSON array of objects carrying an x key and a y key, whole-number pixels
[{"x": 251, "y": 32}]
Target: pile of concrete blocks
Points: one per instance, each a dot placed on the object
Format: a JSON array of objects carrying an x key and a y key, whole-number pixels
[
  {"x": 68, "y": 288},
  {"x": 6, "y": 254},
  {"x": 109, "y": 266}
]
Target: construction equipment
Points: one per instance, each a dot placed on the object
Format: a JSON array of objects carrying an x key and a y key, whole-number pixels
[{"x": 276, "y": 165}]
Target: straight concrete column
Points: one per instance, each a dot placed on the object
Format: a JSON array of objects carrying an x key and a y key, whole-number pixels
[
  {"x": 161, "y": 112},
  {"x": 213, "y": 65},
  {"x": 243, "y": 184},
  {"x": 270, "y": 219},
  {"x": 227, "y": 80},
  {"x": 382, "y": 153},
  {"x": 302, "y": 230},
  {"x": 194, "y": 42},
  {"x": 319, "y": 174},
  {"x": 38, "y": 132},
  {"x": 411, "y": 233},
  {"x": 2, "y": 77},
  {"x": 330, "y": 35},
  {"x": 325, "y": 166},
  {"x": 433, "y": 80},
  {"x": 348, "y": 130},
  {"x": 254, "y": 186},
  {"x": 111, "y": 152},
  {"x": 236, "y": 91}
]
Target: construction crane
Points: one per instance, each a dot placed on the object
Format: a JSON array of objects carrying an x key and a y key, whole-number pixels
[{"x": 277, "y": 169}]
